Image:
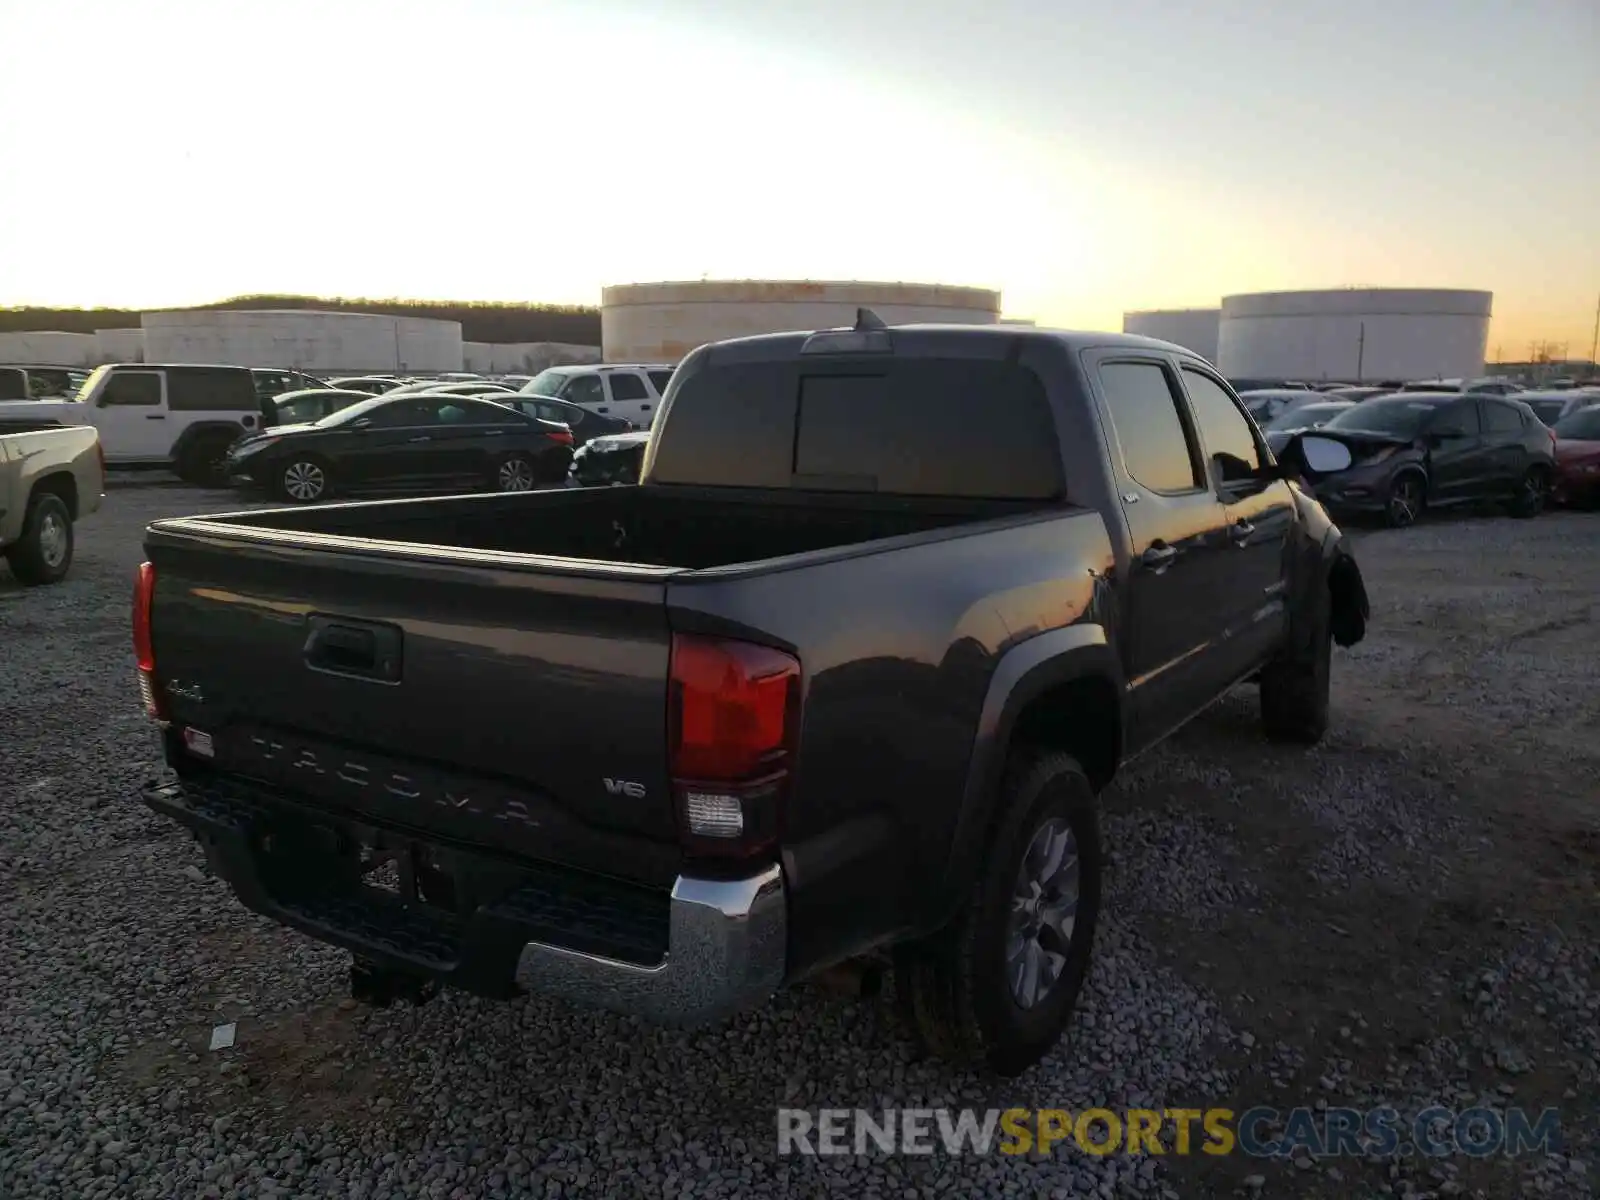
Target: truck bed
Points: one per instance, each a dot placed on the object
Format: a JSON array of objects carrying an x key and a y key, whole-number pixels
[{"x": 680, "y": 528}]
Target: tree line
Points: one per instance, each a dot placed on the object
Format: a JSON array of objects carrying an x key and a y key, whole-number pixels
[{"x": 481, "y": 321}]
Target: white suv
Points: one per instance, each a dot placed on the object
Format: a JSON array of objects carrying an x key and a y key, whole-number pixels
[
  {"x": 183, "y": 416},
  {"x": 631, "y": 391}
]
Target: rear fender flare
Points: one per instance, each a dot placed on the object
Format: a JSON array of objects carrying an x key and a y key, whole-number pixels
[
  {"x": 1023, "y": 673},
  {"x": 206, "y": 429}
]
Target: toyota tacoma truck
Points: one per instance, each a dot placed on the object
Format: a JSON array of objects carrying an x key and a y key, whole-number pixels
[
  {"x": 840, "y": 678},
  {"x": 49, "y": 478}
]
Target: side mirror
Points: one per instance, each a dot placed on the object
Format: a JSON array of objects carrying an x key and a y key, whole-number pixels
[
  {"x": 361, "y": 423},
  {"x": 1324, "y": 455}
]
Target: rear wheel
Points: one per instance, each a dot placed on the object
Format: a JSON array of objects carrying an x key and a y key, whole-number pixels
[
  {"x": 205, "y": 461},
  {"x": 304, "y": 481},
  {"x": 514, "y": 473},
  {"x": 44, "y": 552},
  {"x": 1531, "y": 493},
  {"x": 1404, "y": 503},
  {"x": 998, "y": 985}
]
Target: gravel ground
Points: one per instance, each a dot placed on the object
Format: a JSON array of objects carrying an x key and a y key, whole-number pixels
[{"x": 1403, "y": 915}]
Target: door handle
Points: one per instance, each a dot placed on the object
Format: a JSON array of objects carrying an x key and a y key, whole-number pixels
[
  {"x": 1240, "y": 531},
  {"x": 1159, "y": 556},
  {"x": 155, "y": 416},
  {"x": 423, "y": 438}
]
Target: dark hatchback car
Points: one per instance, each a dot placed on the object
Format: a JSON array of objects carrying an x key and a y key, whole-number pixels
[
  {"x": 609, "y": 461},
  {"x": 405, "y": 443},
  {"x": 586, "y": 425},
  {"x": 1424, "y": 450}
]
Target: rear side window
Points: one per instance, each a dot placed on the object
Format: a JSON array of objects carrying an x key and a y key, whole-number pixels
[
  {"x": 909, "y": 427},
  {"x": 13, "y": 385},
  {"x": 1502, "y": 418},
  {"x": 628, "y": 387},
  {"x": 136, "y": 388},
  {"x": 207, "y": 390},
  {"x": 1145, "y": 415},
  {"x": 660, "y": 379}
]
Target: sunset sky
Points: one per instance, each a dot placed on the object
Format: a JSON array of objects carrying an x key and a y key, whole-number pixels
[{"x": 1084, "y": 158}]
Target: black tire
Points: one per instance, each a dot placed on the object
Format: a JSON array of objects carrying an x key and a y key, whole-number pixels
[
  {"x": 1294, "y": 686},
  {"x": 1531, "y": 494},
  {"x": 204, "y": 462},
  {"x": 515, "y": 472},
  {"x": 296, "y": 476},
  {"x": 44, "y": 552},
  {"x": 1405, "y": 501},
  {"x": 955, "y": 984}
]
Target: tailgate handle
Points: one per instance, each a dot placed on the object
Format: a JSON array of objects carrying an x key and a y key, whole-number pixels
[{"x": 360, "y": 649}]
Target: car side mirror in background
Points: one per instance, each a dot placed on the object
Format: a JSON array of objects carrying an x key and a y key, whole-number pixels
[
  {"x": 1324, "y": 455},
  {"x": 361, "y": 423}
]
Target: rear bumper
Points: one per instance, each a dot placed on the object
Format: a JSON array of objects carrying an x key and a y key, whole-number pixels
[{"x": 706, "y": 949}]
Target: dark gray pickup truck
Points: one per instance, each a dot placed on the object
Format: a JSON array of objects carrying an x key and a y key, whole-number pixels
[{"x": 841, "y": 676}]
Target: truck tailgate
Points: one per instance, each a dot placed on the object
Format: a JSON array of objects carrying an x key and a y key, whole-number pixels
[{"x": 499, "y": 706}]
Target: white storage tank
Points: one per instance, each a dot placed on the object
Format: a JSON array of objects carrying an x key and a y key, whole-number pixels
[
  {"x": 662, "y": 322},
  {"x": 1192, "y": 328},
  {"x": 49, "y": 347},
  {"x": 304, "y": 339},
  {"x": 120, "y": 345},
  {"x": 1355, "y": 334}
]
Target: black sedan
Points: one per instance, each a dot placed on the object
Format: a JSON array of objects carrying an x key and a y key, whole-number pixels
[
  {"x": 407, "y": 443},
  {"x": 610, "y": 460},
  {"x": 1433, "y": 449},
  {"x": 585, "y": 424}
]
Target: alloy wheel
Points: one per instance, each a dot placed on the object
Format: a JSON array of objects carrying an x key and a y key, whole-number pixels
[
  {"x": 1404, "y": 502},
  {"x": 304, "y": 481},
  {"x": 515, "y": 475},
  {"x": 1044, "y": 913}
]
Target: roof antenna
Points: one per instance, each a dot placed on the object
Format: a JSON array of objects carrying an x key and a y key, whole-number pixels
[{"x": 867, "y": 319}]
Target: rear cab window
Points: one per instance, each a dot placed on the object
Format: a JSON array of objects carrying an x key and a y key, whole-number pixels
[
  {"x": 13, "y": 384},
  {"x": 900, "y": 426}
]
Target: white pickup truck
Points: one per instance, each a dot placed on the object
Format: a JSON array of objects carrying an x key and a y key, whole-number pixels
[{"x": 49, "y": 478}]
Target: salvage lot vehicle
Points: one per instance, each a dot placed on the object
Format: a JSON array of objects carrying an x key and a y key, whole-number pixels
[
  {"x": 39, "y": 382},
  {"x": 407, "y": 442},
  {"x": 630, "y": 391},
  {"x": 49, "y": 479},
  {"x": 611, "y": 460},
  {"x": 1422, "y": 450},
  {"x": 1067, "y": 582},
  {"x": 182, "y": 416},
  {"x": 1578, "y": 458}
]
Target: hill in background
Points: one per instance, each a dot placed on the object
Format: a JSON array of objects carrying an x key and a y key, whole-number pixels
[{"x": 480, "y": 321}]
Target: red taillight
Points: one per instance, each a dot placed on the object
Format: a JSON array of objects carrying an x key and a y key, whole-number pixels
[
  {"x": 735, "y": 710},
  {"x": 144, "y": 654},
  {"x": 560, "y": 436}
]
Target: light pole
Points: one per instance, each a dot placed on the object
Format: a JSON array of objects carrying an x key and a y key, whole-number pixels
[{"x": 1594, "y": 342}]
